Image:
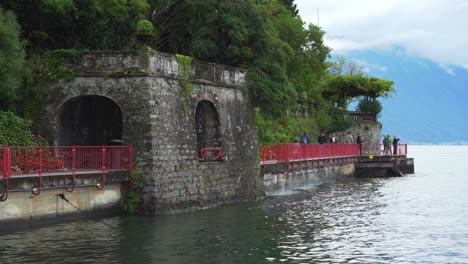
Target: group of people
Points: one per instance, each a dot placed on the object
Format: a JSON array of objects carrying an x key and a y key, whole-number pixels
[
  {"x": 388, "y": 142},
  {"x": 305, "y": 139},
  {"x": 322, "y": 139}
]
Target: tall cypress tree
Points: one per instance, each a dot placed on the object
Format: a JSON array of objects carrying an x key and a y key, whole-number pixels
[{"x": 12, "y": 59}]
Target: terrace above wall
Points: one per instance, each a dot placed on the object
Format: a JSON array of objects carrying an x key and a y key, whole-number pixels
[{"x": 153, "y": 63}]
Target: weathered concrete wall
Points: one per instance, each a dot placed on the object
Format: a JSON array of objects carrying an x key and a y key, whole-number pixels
[
  {"x": 279, "y": 182},
  {"x": 145, "y": 87},
  {"x": 23, "y": 209}
]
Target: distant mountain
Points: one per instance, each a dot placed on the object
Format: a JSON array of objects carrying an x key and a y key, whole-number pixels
[{"x": 430, "y": 105}]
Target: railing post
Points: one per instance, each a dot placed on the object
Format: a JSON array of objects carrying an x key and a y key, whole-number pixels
[
  {"x": 287, "y": 156},
  {"x": 263, "y": 149},
  {"x": 103, "y": 167},
  {"x": 73, "y": 161},
  {"x": 39, "y": 181},
  {"x": 6, "y": 172}
]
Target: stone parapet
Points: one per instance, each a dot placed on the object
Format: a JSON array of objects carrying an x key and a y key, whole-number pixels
[{"x": 152, "y": 63}]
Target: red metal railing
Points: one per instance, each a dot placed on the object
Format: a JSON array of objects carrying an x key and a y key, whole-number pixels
[
  {"x": 211, "y": 154},
  {"x": 295, "y": 152},
  {"x": 62, "y": 160},
  {"x": 378, "y": 149}
]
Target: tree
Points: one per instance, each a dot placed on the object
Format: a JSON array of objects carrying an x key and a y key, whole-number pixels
[
  {"x": 79, "y": 24},
  {"x": 342, "y": 88},
  {"x": 212, "y": 30},
  {"x": 16, "y": 131},
  {"x": 289, "y": 4},
  {"x": 260, "y": 34},
  {"x": 340, "y": 67},
  {"x": 12, "y": 59}
]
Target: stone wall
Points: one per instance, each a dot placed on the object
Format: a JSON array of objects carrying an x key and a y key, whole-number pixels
[
  {"x": 370, "y": 135},
  {"x": 144, "y": 85},
  {"x": 278, "y": 181}
]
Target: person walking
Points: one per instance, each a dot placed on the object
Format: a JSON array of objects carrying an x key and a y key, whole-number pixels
[
  {"x": 395, "y": 145},
  {"x": 305, "y": 139},
  {"x": 385, "y": 145},
  {"x": 390, "y": 141},
  {"x": 333, "y": 139},
  {"x": 322, "y": 139},
  {"x": 359, "y": 142}
]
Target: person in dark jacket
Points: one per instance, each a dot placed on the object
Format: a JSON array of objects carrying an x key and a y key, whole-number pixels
[
  {"x": 322, "y": 139},
  {"x": 359, "y": 142},
  {"x": 305, "y": 139},
  {"x": 395, "y": 145}
]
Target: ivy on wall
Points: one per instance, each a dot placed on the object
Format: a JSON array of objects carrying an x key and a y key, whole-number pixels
[
  {"x": 185, "y": 68},
  {"x": 58, "y": 63},
  {"x": 131, "y": 198}
]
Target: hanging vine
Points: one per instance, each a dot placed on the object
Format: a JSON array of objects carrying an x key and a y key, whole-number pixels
[{"x": 185, "y": 68}]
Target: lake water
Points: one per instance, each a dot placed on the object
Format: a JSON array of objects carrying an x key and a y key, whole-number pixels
[{"x": 420, "y": 218}]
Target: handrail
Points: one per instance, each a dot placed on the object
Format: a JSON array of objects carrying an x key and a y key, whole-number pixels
[
  {"x": 297, "y": 152},
  {"x": 362, "y": 116},
  {"x": 36, "y": 161},
  {"x": 209, "y": 154},
  {"x": 293, "y": 152},
  {"x": 101, "y": 185}
]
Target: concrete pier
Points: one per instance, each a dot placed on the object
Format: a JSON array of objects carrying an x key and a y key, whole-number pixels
[
  {"x": 286, "y": 177},
  {"x": 384, "y": 166}
]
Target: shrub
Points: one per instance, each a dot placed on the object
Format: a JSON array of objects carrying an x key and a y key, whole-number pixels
[
  {"x": 132, "y": 198},
  {"x": 16, "y": 131},
  {"x": 145, "y": 26},
  {"x": 59, "y": 63},
  {"x": 369, "y": 105}
]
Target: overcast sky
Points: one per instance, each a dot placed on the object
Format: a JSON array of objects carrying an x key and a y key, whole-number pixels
[{"x": 430, "y": 29}]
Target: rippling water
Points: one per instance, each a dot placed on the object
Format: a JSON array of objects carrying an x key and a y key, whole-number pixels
[{"x": 420, "y": 218}]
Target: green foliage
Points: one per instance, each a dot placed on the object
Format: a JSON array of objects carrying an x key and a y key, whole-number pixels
[
  {"x": 285, "y": 57},
  {"x": 16, "y": 131},
  {"x": 12, "y": 59},
  {"x": 323, "y": 118},
  {"x": 58, "y": 64},
  {"x": 132, "y": 199},
  {"x": 185, "y": 68},
  {"x": 340, "y": 122},
  {"x": 342, "y": 88},
  {"x": 145, "y": 26},
  {"x": 285, "y": 130},
  {"x": 289, "y": 4},
  {"x": 369, "y": 105},
  {"x": 330, "y": 118},
  {"x": 80, "y": 24}
]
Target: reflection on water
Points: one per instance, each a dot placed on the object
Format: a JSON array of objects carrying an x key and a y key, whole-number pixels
[{"x": 419, "y": 218}]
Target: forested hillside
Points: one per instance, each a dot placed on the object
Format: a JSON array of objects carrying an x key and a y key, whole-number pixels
[{"x": 288, "y": 71}]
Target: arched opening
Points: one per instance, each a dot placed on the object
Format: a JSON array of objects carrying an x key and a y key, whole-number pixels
[
  {"x": 209, "y": 139},
  {"x": 90, "y": 120}
]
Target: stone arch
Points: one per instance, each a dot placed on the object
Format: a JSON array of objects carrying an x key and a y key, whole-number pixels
[
  {"x": 208, "y": 129},
  {"x": 90, "y": 120}
]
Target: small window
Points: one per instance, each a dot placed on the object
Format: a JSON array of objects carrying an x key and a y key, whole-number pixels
[{"x": 209, "y": 139}]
